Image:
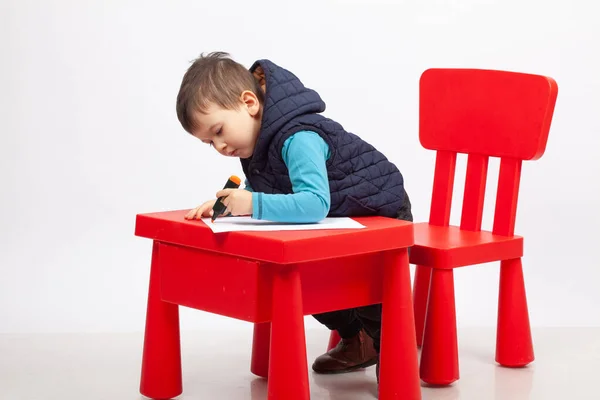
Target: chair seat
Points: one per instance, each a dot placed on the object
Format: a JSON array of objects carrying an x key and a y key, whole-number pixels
[{"x": 447, "y": 247}]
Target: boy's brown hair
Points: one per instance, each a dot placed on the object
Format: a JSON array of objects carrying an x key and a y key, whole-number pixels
[{"x": 213, "y": 79}]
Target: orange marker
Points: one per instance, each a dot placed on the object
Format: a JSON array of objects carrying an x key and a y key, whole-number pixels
[{"x": 232, "y": 183}]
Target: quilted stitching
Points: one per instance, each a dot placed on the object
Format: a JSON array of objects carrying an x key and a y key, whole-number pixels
[{"x": 355, "y": 170}]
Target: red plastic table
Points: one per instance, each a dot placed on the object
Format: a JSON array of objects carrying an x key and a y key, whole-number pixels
[{"x": 273, "y": 279}]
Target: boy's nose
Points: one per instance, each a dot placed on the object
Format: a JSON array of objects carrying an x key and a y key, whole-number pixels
[{"x": 221, "y": 147}]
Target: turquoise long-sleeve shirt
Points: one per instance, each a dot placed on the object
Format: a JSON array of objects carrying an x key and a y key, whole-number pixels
[{"x": 305, "y": 154}]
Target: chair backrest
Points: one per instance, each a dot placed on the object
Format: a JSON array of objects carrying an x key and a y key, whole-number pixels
[{"x": 483, "y": 113}]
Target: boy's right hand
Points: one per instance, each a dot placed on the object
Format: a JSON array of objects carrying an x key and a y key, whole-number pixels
[{"x": 205, "y": 210}]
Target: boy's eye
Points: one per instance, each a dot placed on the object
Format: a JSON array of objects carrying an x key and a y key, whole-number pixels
[{"x": 219, "y": 131}]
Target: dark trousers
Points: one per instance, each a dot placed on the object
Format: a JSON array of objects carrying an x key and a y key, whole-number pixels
[{"x": 351, "y": 321}]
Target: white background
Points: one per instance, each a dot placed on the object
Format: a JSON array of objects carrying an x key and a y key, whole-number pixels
[{"x": 89, "y": 137}]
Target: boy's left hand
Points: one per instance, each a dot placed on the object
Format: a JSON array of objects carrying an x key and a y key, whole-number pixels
[{"x": 237, "y": 201}]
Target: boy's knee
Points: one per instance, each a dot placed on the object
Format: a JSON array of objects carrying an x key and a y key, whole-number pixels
[{"x": 371, "y": 312}]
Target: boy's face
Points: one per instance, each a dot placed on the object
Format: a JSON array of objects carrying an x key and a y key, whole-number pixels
[{"x": 232, "y": 133}]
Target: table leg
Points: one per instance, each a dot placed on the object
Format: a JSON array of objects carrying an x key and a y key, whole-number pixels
[
  {"x": 399, "y": 370},
  {"x": 161, "y": 361},
  {"x": 260, "y": 349},
  {"x": 288, "y": 369}
]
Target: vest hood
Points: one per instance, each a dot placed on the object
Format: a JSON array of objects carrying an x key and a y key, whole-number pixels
[{"x": 286, "y": 98}]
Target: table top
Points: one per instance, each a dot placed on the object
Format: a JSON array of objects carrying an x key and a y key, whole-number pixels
[{"x": 281, "y": 247}]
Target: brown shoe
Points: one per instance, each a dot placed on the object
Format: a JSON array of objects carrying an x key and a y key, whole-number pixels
[{"x": 349, "y": 355}]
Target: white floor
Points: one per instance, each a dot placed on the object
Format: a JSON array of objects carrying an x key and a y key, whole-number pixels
[{"x": 216, "y": 366}]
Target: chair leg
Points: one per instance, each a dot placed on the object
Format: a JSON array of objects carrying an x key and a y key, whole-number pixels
[
  {"x": 260, "y": 349},
  {"x": 161, "y": 361},
  {"x": 514, "y": 347},
  {"x": 399, "y": 365},
  {"x": 288, "y": 367},
  {"x": 420, "y": 295},
  {"x": 334, "y": 339},
  {"x": 439, "y": 356}
]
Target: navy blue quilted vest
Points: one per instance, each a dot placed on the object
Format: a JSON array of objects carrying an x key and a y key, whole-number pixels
[{"x": 362, "y": 181}]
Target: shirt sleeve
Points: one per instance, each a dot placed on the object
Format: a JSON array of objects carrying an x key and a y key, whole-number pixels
[
  {"x": 247, "y": 186},
  {"x": 305, "y": 154}
]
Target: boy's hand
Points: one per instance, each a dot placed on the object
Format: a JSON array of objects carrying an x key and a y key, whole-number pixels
[
  {"x": 237, "y": 201},
  {"x": 205, "y": 210}
]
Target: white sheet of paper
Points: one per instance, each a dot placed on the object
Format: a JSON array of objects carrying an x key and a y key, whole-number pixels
[{"x": 237, "y": 224}]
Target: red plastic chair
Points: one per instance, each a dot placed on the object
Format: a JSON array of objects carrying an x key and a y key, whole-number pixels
[{"x": 482, "y": 113}]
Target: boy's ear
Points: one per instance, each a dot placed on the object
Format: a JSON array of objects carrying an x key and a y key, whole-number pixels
[{"x": 251, "y": 102}]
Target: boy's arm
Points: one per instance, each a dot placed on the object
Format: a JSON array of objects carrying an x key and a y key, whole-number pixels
[{"x": 305, "y": 155}]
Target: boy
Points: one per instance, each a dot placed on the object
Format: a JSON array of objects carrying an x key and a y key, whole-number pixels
[{"x": 299, "y": 167}]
